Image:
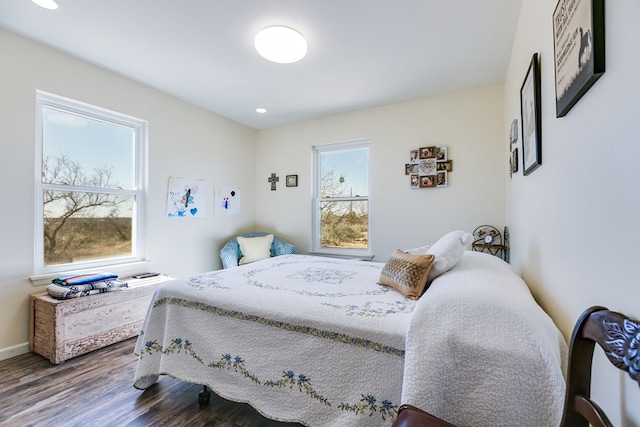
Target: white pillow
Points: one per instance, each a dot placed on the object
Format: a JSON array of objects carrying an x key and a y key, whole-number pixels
[
  {"x": 448, "y": 251},
  {"x": 418, "y": 251},
  {"x": 254, "y": 248}
]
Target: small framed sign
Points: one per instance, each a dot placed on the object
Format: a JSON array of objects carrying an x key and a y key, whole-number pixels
[{"x": 292, "y": 180}]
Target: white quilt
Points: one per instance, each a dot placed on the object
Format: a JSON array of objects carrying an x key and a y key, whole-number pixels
[
  {"x": 482, "y": 353},
  {"x": 317, "y": 341},
  {"x": 301, "y": 338}
]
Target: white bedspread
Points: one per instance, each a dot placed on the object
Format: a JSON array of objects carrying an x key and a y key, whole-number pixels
[
  {"x": 481, "y": 352},
  {"x": 300, "y": 338},
  {"x": 317, "y": 341}
]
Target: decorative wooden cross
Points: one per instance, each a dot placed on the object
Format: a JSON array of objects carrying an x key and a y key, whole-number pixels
[{"x": 273, "y": 179}]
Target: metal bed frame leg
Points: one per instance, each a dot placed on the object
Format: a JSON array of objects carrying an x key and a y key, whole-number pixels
[{"x": 204, "y": 396}]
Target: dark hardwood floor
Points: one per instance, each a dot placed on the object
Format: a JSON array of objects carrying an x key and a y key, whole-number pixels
[{"x": 96, "y": 390}]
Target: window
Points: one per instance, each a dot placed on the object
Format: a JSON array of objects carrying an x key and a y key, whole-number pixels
[
  {"x": 342, "y": 199},
  {"x": 89, "y": 185}
]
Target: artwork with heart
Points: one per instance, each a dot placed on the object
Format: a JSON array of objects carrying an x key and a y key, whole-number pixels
[{"x": 186, "y": 198}]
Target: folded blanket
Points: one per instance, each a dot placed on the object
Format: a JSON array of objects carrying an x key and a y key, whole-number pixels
[
  {"x": 75, "y": 291},
  {"x": 81, "y": 279}
]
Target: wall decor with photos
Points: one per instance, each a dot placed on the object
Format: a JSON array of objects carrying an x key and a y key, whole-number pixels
[
  {"x": 428, "y": 167},
  {"x": 578, "y": 45}
]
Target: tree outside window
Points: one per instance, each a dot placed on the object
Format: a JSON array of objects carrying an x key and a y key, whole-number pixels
[
  {"x": 89, "y": 186},
  {"x": 342, "y": 198}
]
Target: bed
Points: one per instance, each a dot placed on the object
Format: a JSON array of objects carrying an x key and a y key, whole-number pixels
[{"x": 317, "y": 341}]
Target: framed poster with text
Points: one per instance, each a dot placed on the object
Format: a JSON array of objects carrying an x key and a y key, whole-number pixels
[{"x": 578, "y": 44}]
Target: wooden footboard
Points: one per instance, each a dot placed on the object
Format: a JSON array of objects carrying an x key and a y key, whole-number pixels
[{"x": 410, "y": 416}]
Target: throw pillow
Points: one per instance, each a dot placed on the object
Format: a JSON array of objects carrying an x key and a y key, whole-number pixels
[
  {"x": 418, "y": 251},
  {"x": 448, "y": 251},
  {"x": 254, "y": 248},
  {"x": 407, "y": 273}
]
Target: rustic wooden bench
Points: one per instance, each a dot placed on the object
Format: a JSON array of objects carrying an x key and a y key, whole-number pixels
[{"x": 62, "y": 329}]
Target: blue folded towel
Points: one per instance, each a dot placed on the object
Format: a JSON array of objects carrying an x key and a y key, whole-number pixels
[{"x": 81, "y": 279}]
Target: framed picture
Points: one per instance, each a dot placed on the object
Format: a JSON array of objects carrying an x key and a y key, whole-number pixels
[
  {"x": 441, "y": 152},
  {"x": 415, "y": 180},
  {"x": 427, "y": 181},
  {"x": 292, "y": 180},
  {"x": 427, "y": 166},
  {"x": 410, "y": 168},
  {"x": 530, "y": 118},
  {"x": 514, "y": 160},
  {"x": 513, "y": 133},
  {"x": 428, "y": 152},
  {"x": 441, "y": 179},
  {"x": 578, "y": 45},
  {"x": 413, "y": 155},
  {"x": 444, "y": 166}
]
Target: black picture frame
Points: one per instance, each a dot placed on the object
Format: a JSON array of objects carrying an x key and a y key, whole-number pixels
[
  {"x": 530, "y": 115},
  {"x": 578, "y": 45},
  {"x": 292, "y": 181}
]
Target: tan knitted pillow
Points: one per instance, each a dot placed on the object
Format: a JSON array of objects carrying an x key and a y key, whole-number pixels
[{"x": 407, "y": 273}]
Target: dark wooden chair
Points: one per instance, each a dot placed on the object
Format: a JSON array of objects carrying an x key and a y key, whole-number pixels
[
  {"x": 619, "y": 337},
  {"x": 615, "y": 333},
  {"x": 410, "y": 416}
]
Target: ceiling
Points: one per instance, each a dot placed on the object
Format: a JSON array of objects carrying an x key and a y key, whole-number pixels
[{"x": 362, "y": 53}]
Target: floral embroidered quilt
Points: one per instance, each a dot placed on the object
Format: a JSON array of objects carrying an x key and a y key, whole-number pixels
[{"x": 301, "y": 338}]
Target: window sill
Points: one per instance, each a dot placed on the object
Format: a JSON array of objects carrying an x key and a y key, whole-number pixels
[
  {"x": 122, "y": 270},
  {"x": 359, "y": 257}
]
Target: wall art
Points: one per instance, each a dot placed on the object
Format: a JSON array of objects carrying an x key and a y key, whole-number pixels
[
  {"x": 578, "y": 44},
  {"x": 530, "y": 112},
  {"x": 292, "y": 180},
  {"x": 227, "y": 199},
  {"x": 186, "y": 198},
  {"x": 428, "y": 167}
]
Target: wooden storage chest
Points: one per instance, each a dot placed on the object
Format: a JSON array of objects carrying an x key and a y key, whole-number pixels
[{"x": 62, "y": 329}]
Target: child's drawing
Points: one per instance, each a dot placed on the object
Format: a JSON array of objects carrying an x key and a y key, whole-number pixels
[
  {"x": 227, "y": 201},
  {"x": 186, "y": 198}
]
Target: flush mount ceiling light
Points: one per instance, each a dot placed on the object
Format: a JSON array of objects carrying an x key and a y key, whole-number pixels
[
  {"x": 261, "y": 110},
  {"x": 281, "y": 44},
  {"x": 47, "y": 4}
]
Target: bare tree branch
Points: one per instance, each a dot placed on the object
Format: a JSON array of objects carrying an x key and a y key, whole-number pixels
[{"x": 60, "y": 235}]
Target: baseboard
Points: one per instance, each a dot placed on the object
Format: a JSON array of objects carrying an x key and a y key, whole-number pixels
[{"x": 16, "y": 350}]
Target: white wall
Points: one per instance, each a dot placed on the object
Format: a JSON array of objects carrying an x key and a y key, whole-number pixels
[
  {"x": 575, "y": 222},
  {"x": 184, "y": 141},
  {"x": 468, "y": 122}
]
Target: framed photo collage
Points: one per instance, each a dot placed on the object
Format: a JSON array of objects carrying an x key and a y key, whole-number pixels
[{"x": 428, "y": 167}]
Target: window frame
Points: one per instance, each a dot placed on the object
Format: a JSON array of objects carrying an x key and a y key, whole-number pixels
[
  {"x": 140, "y": 129},
  {"x": 316, "y": 246}
]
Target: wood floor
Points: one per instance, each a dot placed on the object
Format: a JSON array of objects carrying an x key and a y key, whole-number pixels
[{"x": 96, "y": 390}]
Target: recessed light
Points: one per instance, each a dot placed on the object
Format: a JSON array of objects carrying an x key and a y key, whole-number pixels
[
  {"x": 47, "y": 4},
  {"x": 279, "y": 44},
  {"x": 261, "y": 110}
]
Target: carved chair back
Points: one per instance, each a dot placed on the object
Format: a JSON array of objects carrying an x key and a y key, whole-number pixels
[{"x": 619, "y": 337}]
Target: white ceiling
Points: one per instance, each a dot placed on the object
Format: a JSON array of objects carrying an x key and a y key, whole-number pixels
[{"x": 362, "y": 53}]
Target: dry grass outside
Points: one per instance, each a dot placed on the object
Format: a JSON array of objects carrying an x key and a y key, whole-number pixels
[
  {"x": 86, "y": 239},
  {"x": 350, "y": 234}
]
